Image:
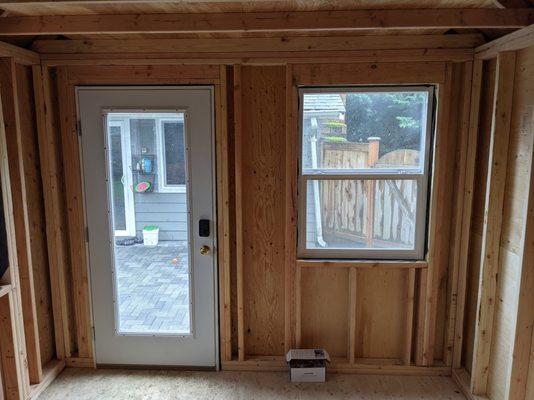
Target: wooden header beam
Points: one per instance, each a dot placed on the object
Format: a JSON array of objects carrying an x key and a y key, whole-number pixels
[
  {"x": 268, "y": 21},
  {"x": 243, "y": 45}
]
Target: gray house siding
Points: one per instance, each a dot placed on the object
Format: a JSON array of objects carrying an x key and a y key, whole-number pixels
[{"x": 166, "y": 210}]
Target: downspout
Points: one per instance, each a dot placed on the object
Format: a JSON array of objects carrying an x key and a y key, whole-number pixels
[{"x": 315, "y": 182}]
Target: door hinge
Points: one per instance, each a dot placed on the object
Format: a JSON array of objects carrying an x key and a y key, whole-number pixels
[
  {"x": 79, "y": 127},
  {"x": 87, "y": 234},
  {"x": 94, "y": 333}
]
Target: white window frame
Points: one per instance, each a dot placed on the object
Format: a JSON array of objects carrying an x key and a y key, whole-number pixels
[
  {"x": 129, "y": 203},
  {"x": 163, "y": 187},
  {"x": 420, "y": 174}
]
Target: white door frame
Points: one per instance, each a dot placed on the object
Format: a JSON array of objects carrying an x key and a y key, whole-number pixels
[{"x": 129, "y": 204}]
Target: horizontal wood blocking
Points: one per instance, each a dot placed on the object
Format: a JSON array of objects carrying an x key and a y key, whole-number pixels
[
  {"x": 77, "y": 362},
  {"x": 268, "y": 21},
  {"x": 4, "y": 290},
  {"x": 258, "y": 44},
  {"x": 361, "y": 264},
  {"x": 142, "y": 74}
]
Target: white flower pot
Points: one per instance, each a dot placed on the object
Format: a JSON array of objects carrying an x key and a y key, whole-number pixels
[{"x": 151, "y": 237}]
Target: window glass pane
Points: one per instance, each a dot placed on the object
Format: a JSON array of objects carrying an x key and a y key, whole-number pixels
[
  {"x": 364, "y": 129},
  {"x": 151, "y": 252},
  {"x": 361, "y": 214},
  {"x": 173, "y": 133}
]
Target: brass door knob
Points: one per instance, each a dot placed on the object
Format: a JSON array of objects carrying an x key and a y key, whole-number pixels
[{"x": 204, "y": 250}]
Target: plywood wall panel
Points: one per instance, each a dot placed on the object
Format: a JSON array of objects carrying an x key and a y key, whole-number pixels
[
  {"x": 263, "y": 141},
  {"x": 325, "y": 302},
  {"x": 520, "y": 151},
  {"x": 514, "y": 214},
  {"x": 504, "y": 324},
  {"x": 381, "y": 298},
  {"x": 36, "y": 216}
]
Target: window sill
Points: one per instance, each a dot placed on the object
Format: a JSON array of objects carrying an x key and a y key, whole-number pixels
[
  {"x": 362, "y": 264},
  {"x": 181, "y": 189}
]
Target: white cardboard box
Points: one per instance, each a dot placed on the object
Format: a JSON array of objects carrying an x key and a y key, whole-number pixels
[{"x": 307, "y": 365}]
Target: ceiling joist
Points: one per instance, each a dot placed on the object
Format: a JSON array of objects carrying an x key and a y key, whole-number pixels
[{"x": 269, "y": 21}]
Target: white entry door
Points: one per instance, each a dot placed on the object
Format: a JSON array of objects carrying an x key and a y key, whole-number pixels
[{"x": 149, "y": 189}]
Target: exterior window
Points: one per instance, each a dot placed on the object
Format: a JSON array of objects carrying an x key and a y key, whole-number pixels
[
  {"x": 364, "y": 172},
  {"x": 172, "y": 156}
]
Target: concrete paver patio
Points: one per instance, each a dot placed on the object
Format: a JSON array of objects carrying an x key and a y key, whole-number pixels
[{"x": 153, "y": 288}]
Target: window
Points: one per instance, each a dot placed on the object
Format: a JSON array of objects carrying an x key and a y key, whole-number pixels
[
  {"x": 364, "y": 169},
  {"x": 172, "y": 155},
  {"x": 156, "y": 138}
]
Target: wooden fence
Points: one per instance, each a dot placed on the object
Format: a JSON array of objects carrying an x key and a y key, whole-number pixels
[{"x": 378, "y": 213}]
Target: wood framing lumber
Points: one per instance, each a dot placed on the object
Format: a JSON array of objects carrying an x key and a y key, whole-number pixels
[
  {"x": 269, "y": 21},
  {"x": 239, "y": 211},
  {"x": 20, "y": 55},
  {"x": 76, "y": 226},
  {"x": 408, "y": 330},
  {"x": 12, "y": 346},
  {"x": 493, "y": 210},
  {"x": 14, "y": 130},
  {"x": 517, "y": 40},
  {"x": 290, "y": 209},
  {"x": 4, "y": 290},
  {"x": 465, "y": 231},
  {"x": 50, "y": 372},
  {"x": 258, "y": 44},
  {"x": 48, "y": 155},
  {"x": 223, "y": 217}
]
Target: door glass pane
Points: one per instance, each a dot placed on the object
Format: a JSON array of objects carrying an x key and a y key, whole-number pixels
[
  {"x": 151, "y": 265},
  {"x": 361, "y": 214},
  {"x": 364, "y": 129}
]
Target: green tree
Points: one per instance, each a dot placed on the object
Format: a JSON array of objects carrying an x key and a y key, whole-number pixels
[{"x": 394, "y": 117}]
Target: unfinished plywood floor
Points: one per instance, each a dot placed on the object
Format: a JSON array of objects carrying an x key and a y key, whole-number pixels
[{"x": 102, "y": 384}]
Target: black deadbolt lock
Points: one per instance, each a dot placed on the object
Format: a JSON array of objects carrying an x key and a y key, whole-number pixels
[{"x": 204, "y": 228}]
